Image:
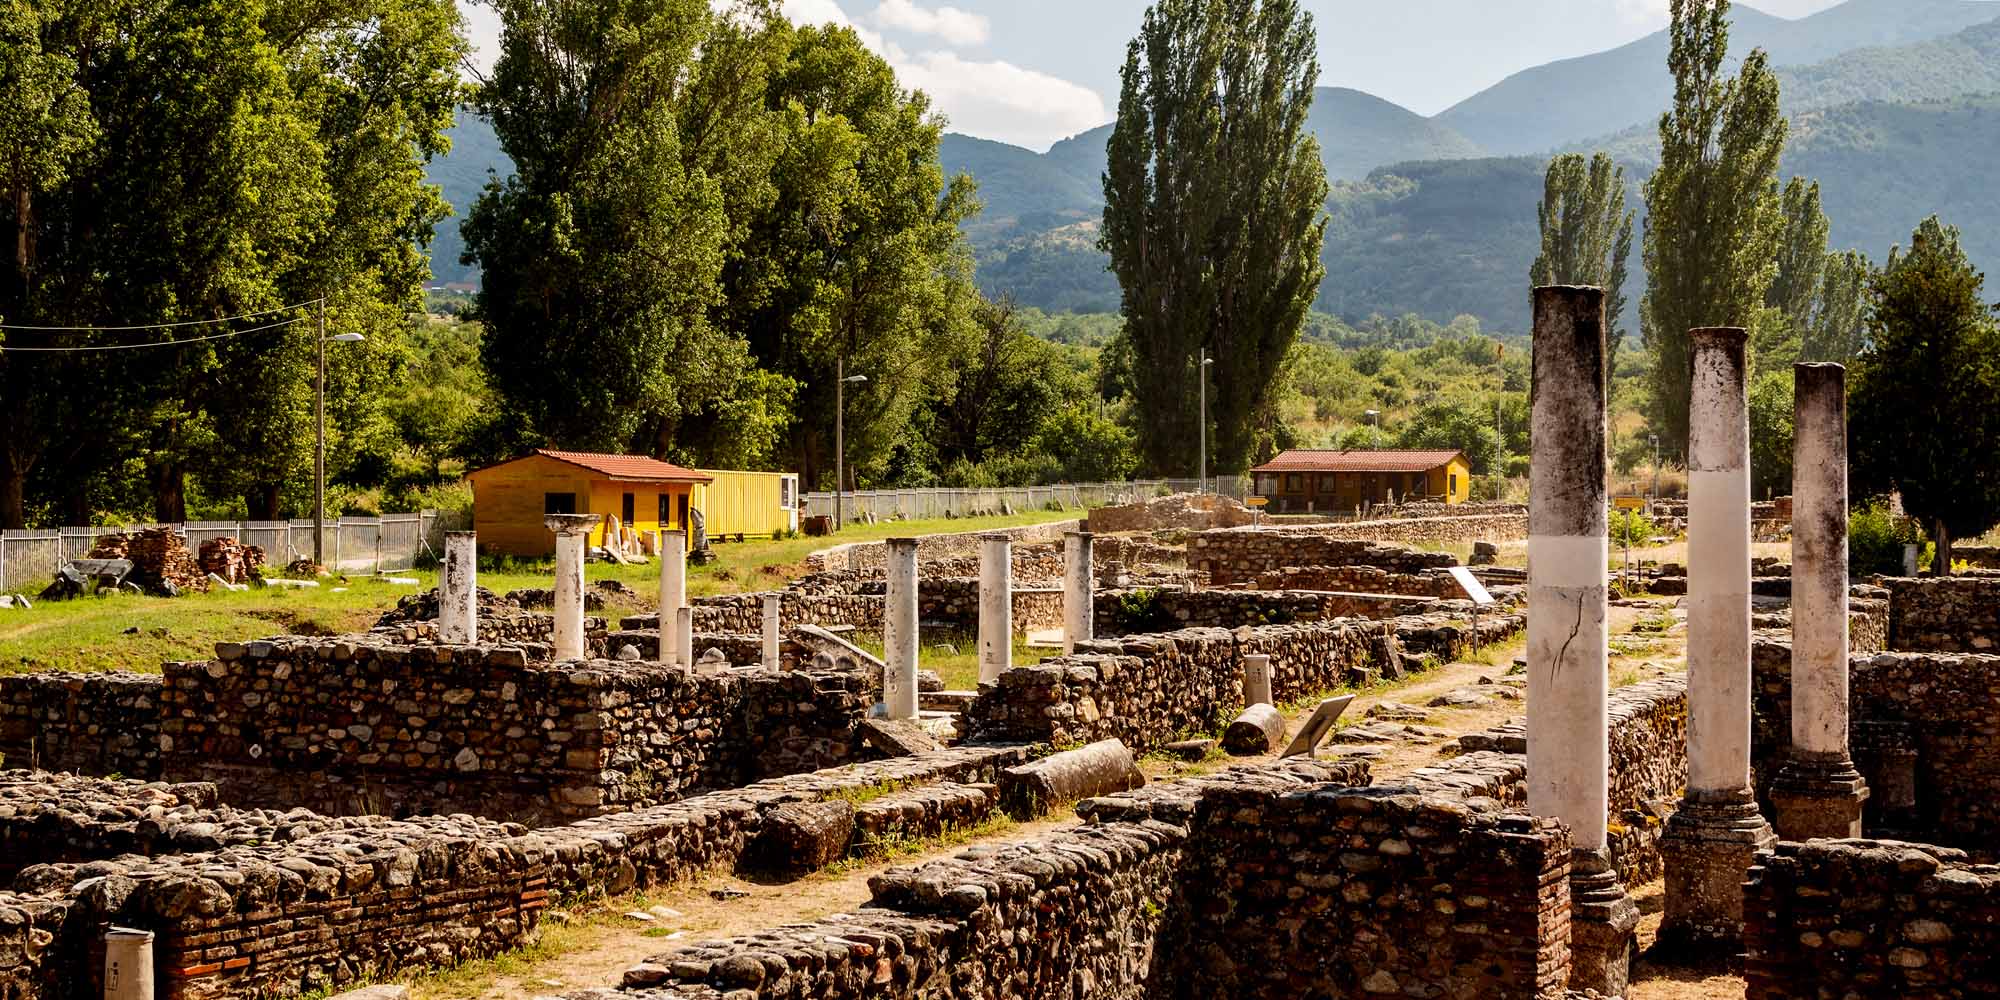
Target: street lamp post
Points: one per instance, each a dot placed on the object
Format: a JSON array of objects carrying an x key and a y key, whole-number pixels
[
  {"x": 1656, "y": 465},
  {"x": 1374, "y": 428},
  {"x": 320, "y": 340},
  {"x": 840, "y": 380},
  {"x": 1201, "y": 373}
]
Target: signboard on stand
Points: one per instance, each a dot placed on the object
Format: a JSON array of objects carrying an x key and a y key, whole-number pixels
[{"x": 1476, "y": 591}]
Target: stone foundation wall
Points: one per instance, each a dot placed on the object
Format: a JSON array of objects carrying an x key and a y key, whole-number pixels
[
  {"x": 1241, "y": 555},
  {"x": 1944, "y": 614},
  {"x": 106, "y": 723},
  {"x": 950, "y": 603},
  {"x": 1870, "y": 920},
  {"x": 872, "y": 557},
  {"x": 1361, "y": 579},
  {"x": 345, "y": 726},
  {"x": 1156, "y": 609}
]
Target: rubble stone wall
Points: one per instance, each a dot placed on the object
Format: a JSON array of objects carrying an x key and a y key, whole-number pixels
[
  {"x": 1361, "y": 579},
  {"x": 1953, "y": 614},
  {"x": 346, "y": 726},
  {"x": 950, "y": 603},
  {"x": 1869, "y": 920},
  {"x": 872, "y": 557},
  {"x": 103, "y": 723},
  {"x": 1153, "y": 609},
  {"x": 1241, "y": 555}
]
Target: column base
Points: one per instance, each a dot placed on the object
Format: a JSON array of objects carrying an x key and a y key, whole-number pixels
[
  {"x": 1818, "y": 797},
  {"x": 1708, "y": 848},
  {"x": 1602, "y": 922}
]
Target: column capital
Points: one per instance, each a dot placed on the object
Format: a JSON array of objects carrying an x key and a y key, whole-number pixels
[{"x": 570, "y": 524}]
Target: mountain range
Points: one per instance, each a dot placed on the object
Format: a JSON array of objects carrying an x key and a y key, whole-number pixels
[{"x": 1892, "y": 110}]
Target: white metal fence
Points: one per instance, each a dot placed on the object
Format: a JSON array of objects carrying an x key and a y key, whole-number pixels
[
  {"x": 29, "y": 558},
  {"x": 928, "y": 503}
]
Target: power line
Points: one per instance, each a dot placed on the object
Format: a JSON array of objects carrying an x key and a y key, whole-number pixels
[
  {"x": 159, "y": 343},
  {"x": 155, "y": 326}
]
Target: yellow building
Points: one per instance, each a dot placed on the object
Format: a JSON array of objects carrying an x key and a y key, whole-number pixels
[
  {"x": 510, "y": 499},
  {"x": 748, "y": 503},
  {"x": 1306, "y": 480}
]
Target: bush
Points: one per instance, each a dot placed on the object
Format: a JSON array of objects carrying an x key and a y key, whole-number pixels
[{"x": 1875, "y": 540}]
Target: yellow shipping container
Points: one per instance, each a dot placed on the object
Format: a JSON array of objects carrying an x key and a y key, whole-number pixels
[{"x": 748, "y": 503}]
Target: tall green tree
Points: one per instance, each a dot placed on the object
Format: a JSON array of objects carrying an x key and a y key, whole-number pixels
[
  {"x": 1586, "y": 235},
  {"x": 1839, "y": 329},
  {"x": 1922, "y": 404},
  {"x": 854, "y": 260},
  {"x": 1213, "y": 216},
  {"x": 602, "y": 253},
  {"x": 1713, "y": 209}
]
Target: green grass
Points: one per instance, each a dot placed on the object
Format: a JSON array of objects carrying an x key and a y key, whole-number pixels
[
  {"x": 98, "y": 633},
  {"x": 960, "y": 670}
]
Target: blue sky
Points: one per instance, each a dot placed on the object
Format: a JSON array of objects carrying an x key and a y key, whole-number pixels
[{"x": 1030, "y": 72}]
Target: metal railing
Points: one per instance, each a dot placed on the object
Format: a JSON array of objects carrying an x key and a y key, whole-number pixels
[
  {"x": 30, "y": 557},
  {"x": 917, "y": 504}
]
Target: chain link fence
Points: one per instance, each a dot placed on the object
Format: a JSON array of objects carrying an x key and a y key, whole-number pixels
[{"x": 30, "y": 557}]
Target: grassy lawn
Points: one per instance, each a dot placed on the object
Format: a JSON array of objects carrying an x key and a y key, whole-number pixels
[{"x": 136, "y": 633}]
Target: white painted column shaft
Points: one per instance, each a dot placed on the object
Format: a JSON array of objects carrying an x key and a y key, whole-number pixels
[
  {"x": 684, "y": 636},
  {"x": 1819, "y": 560},
  {"x": 458, "y": 590},
  {"x": 572, "y": 534},
  {"x": 996, "y": 606},
  {"x": 773, "y": 630},
  {"x": 1718, "y": 601},
  {"x": 1568, "y": 543},
  {"x": 1079, "y": 585},
  {"x": 673, "y": 591},
  {"x": 899, "y": 631}
]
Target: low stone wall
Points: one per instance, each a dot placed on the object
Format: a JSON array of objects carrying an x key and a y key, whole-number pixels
[
  {"x": 1870, "y": 920},
  {"x": 1977, "y": 556},
  {"x": 872, "y": 557},
  {"x": 347, "y": 726},
  {"x": 252, "y": 903},
  {"x": 106, "y": 723},
  {"x": 1648, "y": 743},
  {"x": 1241, "y": 555},
  {"x": 1157, "y": 609},
  {"x": 950, "y": 603},
  {"x": 1922, "y": 727},
  {"x": 1944, "y": 614},
  {"x": 1148, "y": 690},
  {"x": 1361, "y": 579},
  {"x": 1184, "y": 511}
]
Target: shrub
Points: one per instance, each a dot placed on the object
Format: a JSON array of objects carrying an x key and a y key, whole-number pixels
[{"x": 1875, "y": 539}]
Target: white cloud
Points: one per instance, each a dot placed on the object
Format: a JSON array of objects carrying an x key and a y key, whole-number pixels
[
  {"x": 999, "y": 100},
  {"x": 954, "y": 26}
]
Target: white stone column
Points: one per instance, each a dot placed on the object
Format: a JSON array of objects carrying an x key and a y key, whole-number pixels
[
  {"x": 899, "y": 631},
  {"x": 673, "y": 591},
  {"x": 1256, "y": 680},
  {"x": 458, "y": 590},
  {"x": 1079, "y": 590},
  {"x": 572, "y": 532},
  {"x": 1568, "y": 550},
  {"x": 1818, "y": 793},
  {"x": 1714, "y": 835},
  {"x": 128, "y": 964},
  {"x": 996, "y": 606},
  {"x": 773, "y": 630}
]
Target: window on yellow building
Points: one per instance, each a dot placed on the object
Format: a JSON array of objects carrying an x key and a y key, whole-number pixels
[
  {"x": 1454, "y": 484},
  {"x": 628, "y": 508},
  {"x": 558, "y": 503},
  {"x": 666, "y": 509},
  {"x": 1295, "y": 483}
]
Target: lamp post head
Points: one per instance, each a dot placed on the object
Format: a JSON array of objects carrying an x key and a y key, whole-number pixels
[
  {"x": 1208, "y": 361},
  {"x": 855, "y": 378},
  {"x": 345, "y": 338}
]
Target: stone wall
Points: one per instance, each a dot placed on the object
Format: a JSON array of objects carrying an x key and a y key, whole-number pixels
[
  {"x": 1944, "y": 614},
  {"x": 872, "y": 557},
  {"x": 1648, "y": 743},
  {"x": 1148, "y": 690},
  {"x": 1361, "y": 579},
  {"x": 105, "y": 723},
  {"x": 1977, "y": 556},
  {"x": 1870, "y": 920},
  {"x": 948, "y": 603},
  {"x": 1157, "y": 609},
  {"x": 1182, "y": 511},
  {"x": 1241, "y": 555},
  {"x": 346, "y": 726}
]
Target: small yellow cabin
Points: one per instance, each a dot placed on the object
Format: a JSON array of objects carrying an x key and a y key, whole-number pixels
[
  {"x": 645, "y": 494},
  {"x": 1306, "y": 480},
  {"x": 748, "y": 503}
]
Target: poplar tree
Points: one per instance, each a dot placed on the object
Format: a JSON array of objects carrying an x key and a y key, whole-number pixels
[
  {"x": 1713, "y": 210},
  {"x": 1586, "y": 235},
  {"x": 1213, "y": 216}
]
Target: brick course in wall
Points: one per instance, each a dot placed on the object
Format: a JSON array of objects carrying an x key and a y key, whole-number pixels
[{"x": 1870, "y": 920}]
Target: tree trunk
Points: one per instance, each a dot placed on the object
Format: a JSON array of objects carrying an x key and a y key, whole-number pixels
[
  {"x": 169, "y": 493},
  {"x": 13, "y": 490},
  {"x": 260, "y": 503}
]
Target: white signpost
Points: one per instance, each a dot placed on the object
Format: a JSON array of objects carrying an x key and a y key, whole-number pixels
[{"x": 1475, "y": 590}]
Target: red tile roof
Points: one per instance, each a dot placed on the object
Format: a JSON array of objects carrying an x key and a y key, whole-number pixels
[
  {"x": 627, "y": 467},
  {"x": 1335, "y": 460}
]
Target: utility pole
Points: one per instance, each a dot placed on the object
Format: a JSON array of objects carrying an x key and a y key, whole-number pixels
[
  {"x": 1201, "y": 374},
  {"x": 319, "y": 440},
  {"x": 840, "y": 380}
]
